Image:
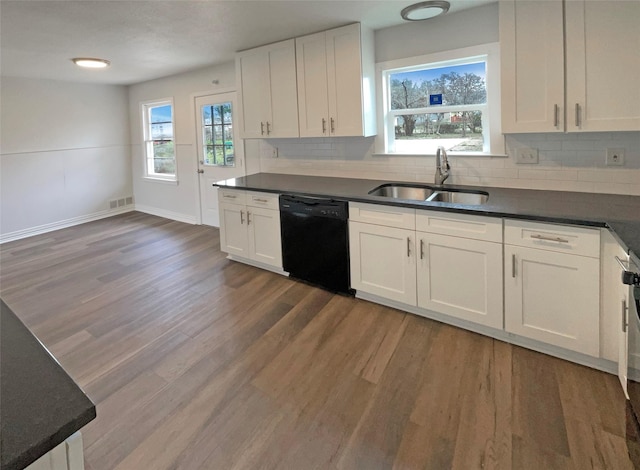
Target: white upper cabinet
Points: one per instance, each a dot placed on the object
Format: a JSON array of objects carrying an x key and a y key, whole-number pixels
[
  {"x": 532, "y": 58},
  {"x": 603, "y": 65},
  {"x": 268, "y": 97},
  {"x": 335, "y": 73},
  {"x": 595, "y": 42}
]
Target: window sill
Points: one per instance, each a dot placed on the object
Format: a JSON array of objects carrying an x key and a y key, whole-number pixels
[{"x": 173, "y": 182}]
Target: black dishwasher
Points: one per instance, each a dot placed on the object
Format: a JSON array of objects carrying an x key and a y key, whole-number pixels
[{"x": 315, "y": 241}]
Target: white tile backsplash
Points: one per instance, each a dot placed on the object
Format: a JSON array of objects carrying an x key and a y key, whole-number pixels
[{"x": 568, "y": 162}]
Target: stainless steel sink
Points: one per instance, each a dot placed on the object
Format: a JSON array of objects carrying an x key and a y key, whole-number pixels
[
  {"x": 402, "y": 191},
  {"x": 471, "y": 198}
]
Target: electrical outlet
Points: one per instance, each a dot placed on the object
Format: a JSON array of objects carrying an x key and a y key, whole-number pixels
[
  {"x": 274, "y": 152},
  {"x": 615, "y": 157},
  {"x": 527, "y": 155}
]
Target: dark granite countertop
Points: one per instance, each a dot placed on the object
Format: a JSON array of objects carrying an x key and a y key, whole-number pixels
[
  {"x": 40, "y": 405},
  {"x": 619, "y": 213}
]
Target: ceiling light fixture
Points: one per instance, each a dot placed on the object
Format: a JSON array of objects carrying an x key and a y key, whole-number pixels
[
  {"x": 425, "y": 10},
  {"x": 91, "y": 63}
]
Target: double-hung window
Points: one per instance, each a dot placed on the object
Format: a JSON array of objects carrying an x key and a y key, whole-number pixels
[
  {"x": 448, "y": 99},
  {"x": 159, "y": 147}
]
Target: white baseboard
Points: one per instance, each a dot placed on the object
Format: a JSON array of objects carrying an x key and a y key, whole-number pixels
[
  {"x": 40, "y": 229},
  {"x": 187, "y": 219}
]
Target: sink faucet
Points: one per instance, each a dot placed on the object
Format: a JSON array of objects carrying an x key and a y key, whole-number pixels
[{"x": 442, "y": 166}]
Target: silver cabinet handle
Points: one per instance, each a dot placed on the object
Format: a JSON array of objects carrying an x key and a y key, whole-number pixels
[
  {"x": 556, "y": 115},
  {"x": 550, "y": 239},
  {"x": 578, "y": 115},
  {"x": 421, "y": 248},
  {"x": 324, "y": 126},
  {"x": 408, "y": 247},
  {"x": 333, "y": 128},
  {"x": 259, "y": 200},
  {"x": 229, "y": 196},
  {"x": 241, "y": 217},
  {"x": 513, "y": 265},
  {"x": 248, "y": 218},
  {"x": 268, "y": 128},
  {"x": 621, "y": 263},
  {"x": 624, "y": 316},
  {"x": 261, "y": 128}
]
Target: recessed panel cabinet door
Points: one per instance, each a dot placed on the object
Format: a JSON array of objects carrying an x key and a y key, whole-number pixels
[
  {"x": 344, "y": 74},
  {"x": 603, "y": 65},
  {"x": 253, "y": 72},
  {"x": 553, "y": 297},
  {"x": 233, "y": 229},
  {"x": 460, "y": 277},
  {"x": 264, "y": 236},
  {"x": 383, "y": 261},
  {"x": 313, "y": 106},
  {"x": 284, "y": 93},
  {"x": 532, "y": 65}
]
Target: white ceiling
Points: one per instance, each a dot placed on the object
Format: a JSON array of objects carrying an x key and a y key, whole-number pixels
[{"x": 151, "y": 39}]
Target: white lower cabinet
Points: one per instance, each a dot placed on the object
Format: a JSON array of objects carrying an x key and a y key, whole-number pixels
[
  {"x": 383, "y": 261},
  {"x": 66, "y": 456},
  {"x": 251, "y": 230},
  {"x": 453, "y": 275},
  {"x": 460, "y": 277},
  {"x": 551, "y": 294}
]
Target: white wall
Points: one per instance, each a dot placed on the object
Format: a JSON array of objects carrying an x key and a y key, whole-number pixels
[
  {"x": 165, "y": 199},
  {"x": 569, "y": 162},
  {"x": 64, "y": 154}
]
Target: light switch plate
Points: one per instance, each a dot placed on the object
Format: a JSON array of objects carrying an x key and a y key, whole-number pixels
[
  {"x": 615, "y": 157},
  {"x": 527, "y": 155}
]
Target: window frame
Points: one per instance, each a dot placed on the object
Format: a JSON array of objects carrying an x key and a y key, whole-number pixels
[
  {"x": 223, "y": 126},
  {"x": 489, "y": 53},
  {"x": 145, "y": 108}
]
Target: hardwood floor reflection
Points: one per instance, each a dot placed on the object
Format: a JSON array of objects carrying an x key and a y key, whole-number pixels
[{"x": 196, "y": 362}]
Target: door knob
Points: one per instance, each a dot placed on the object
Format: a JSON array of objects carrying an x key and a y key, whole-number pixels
[{"x": 199, "y": 171}]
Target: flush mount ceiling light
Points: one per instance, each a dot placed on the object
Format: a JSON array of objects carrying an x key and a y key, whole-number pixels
[
  {"x": 91, "y": 63},
  {"x": 425, "y": 10}
]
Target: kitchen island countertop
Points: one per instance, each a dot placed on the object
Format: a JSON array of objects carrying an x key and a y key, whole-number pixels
[
  {"x": 619, "y": 213},
  {"x": 41, "y": 405}
]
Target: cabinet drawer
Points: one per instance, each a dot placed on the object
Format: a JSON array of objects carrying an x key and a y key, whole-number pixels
[
  {"x": 232, "y": 196},
  {"x": 388, "y": 216},
  {"x": 266, "y": 200},
  {"x": 476, "y": 227},
  {"x": 560, "y": 238}
]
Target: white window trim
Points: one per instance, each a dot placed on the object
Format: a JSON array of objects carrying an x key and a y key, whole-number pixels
[
  {"x": 492, "y": 53},
  {"x": 144, "y": 105}
]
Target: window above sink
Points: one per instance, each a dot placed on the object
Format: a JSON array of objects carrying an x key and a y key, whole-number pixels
[{"x": 449, "y": 99}]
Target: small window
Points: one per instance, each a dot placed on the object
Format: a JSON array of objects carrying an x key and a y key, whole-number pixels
[
  {"x": 449, "y": 103},
  {"x": 160, "y": 155},
  {"x": 217, "y": 134}
]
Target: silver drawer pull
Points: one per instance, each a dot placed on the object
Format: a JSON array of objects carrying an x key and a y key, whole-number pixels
[
  {"x": 550, "y": 239},
  {"x": 229, "y": 196},
  {"x": 260, "y": 200},
  {"x": 622, "y": 264}
]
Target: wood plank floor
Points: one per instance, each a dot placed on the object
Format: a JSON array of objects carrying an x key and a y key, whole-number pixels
[{"x": 197, "y": 362}]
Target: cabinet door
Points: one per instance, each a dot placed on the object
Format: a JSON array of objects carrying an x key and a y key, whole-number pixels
[
  {"x": 264, "y": 236},
  {"x": 284, "y": 92},
  {"x": 461, "y": 278},
  {"x": 532, "y": 64},
  {"x": 311, "y": 65},
  {"x": 233, "y": 229},
  {"x": 383, "y": 261},
  {"x": 344, "y": 75},
  {"x": 253, "y": 70},
  {"x": 603, "y": 65},
  {"x": 553, "y": 297}
]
